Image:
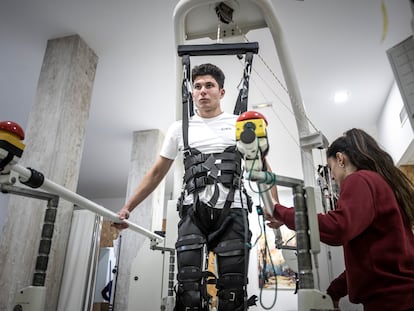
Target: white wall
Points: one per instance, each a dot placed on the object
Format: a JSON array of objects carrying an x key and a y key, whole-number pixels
[{"x": 395, "y": 137}]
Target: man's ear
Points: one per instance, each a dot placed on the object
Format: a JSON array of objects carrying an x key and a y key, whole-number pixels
[{"x": 222, "y": 92}]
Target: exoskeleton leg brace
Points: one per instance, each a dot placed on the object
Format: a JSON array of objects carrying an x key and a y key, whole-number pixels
[
  {"x": 232, "y": 257},
  {"x": 191, "y": 290}
]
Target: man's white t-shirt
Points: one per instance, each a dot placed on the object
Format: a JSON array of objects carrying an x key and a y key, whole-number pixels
[{"x": 212, "y": 135}]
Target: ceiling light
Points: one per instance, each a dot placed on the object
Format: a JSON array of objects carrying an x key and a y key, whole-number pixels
[
  {"x": 262, "y": 105},
  {"x": 341, "y": 97}
]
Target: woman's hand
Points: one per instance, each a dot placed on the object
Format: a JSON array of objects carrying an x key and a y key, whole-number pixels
[{"x": 272, "y": 222}]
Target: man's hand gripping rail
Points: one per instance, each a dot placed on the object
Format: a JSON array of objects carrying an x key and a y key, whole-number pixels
[
  {"x": 252, "y": 143},
  {"x": 11, "y": 149}
]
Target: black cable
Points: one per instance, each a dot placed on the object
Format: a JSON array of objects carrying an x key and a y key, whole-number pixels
[
  {"x": 272, "y": 183},
  {"x": 266, "y": 251},
  {"x": 258, "y": 220}
]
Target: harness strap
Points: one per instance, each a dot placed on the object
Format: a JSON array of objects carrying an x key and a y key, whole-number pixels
[
  {"x": 241, "y": 104},
  {"x": 231, "y": 280},
  {"x": 189, "y": 242},
  {"x": 212, "y": 172},
  {"x": 230, "y": 248},
  {"x": 197, "y": 157},
  {"x": 200, "y": 182},
  {"x": 187, "y": 100},
  {"x": 210, "y": 166},
  {"x": 212, "y": 202}
]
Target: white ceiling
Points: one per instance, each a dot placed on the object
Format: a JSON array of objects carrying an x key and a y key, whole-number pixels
[{"x": 333, "y": 44}]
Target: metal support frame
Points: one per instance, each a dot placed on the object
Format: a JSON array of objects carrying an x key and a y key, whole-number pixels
[
  {"x": 39, "y": 277},
  {"x": 218, "y": 49},
  {"x": 90, "y": 284},
  {"x": 308, "y": 297},
  {"x": 168, "y": 302},
  {"x": 42, "y": 260},
  {"x": 302, "y": 236},
  {"x": 33, "y": 298}
]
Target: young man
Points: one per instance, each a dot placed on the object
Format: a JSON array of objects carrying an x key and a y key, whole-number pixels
[{"x": 213, "y": 206}]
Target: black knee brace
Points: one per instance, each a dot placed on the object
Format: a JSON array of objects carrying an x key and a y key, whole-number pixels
[
  {"x": 189, "y": 289},
  {"x": 231, "y": 293},
  {"x": 231, "y": 263}
]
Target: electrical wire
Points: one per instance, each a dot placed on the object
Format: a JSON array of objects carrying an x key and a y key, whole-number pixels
[
  {"x": 272, "y": 89},
  {"x": 293, "y": 100},
  {"x": 264, "y": 268},
  {"x": 262, "y": 225}
]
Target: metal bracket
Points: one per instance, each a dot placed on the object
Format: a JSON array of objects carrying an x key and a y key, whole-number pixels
[{"x": 313, "y": 141}]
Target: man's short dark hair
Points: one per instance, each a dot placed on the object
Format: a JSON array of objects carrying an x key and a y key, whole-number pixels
[{"x": 208, "y": 69}]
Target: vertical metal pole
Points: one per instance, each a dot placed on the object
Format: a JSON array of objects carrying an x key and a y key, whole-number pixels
[
  {"x": 115, "y": 270},
  {"x": 39, "y": 277},
  {"x": 90, "y": 285},
  {"x": 171, "y": 274},
  {"x": 302, "y": 239}
]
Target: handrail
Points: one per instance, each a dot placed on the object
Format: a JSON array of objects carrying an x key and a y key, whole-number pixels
[{"x": 49, "y": 186}]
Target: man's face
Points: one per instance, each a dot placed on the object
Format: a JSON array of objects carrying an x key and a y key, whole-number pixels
[{"x": 207, "y": 95}]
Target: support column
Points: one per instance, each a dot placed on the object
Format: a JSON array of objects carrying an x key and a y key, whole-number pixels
[
  {"x": 145, "y": 149},
  {"x": 54, "y": 144}
]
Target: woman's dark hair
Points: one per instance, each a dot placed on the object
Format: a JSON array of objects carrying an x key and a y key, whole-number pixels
[
  {"x": 365, "y": 153},
  {"x": 208, "y": 69}
]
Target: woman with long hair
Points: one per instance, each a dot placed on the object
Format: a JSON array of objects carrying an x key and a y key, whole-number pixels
[{"x": 373, "y": 221}]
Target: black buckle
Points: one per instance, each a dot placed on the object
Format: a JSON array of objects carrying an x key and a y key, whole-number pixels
[{"x": 186, "y": 152}]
